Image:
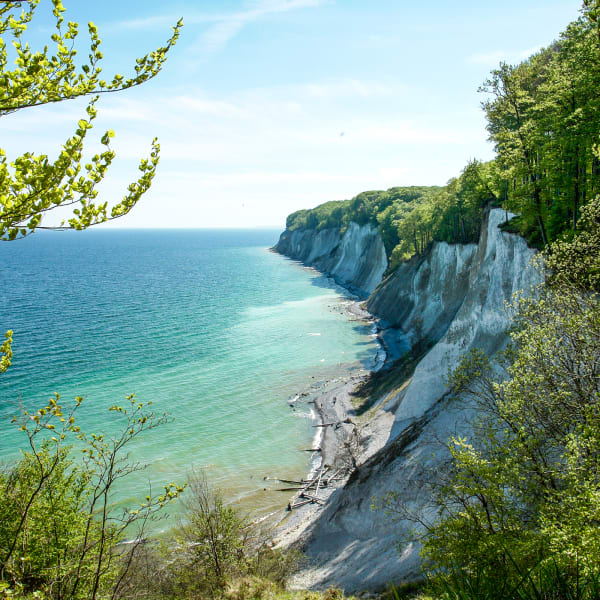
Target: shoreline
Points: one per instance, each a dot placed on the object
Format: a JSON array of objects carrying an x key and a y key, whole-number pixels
[
  {"x": 341, "y": 445},
  {"x": 323, "y": 400}
]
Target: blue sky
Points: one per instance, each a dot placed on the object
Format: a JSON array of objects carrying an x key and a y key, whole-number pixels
[{"x": 268, "y": 106}]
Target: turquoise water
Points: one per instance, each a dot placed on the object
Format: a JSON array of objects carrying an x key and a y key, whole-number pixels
[{"x": 208, "y": 325}]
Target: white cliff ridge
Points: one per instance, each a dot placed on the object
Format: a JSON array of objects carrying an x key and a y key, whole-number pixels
[
  {"x": 448, "y": 301},
  {"x": 356, "y": 259},
  {"x": 501, "y": 266}
]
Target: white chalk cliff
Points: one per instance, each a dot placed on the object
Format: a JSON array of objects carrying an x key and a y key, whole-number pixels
[
  {"x": 451, "y": 300},
  {"x": 356, "y": 259}
]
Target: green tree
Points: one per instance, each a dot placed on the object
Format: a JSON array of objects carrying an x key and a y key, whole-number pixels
[
  {"x": 214, "y": 550},
  {"x": 576, "y": 262},
  {"x": 591, "y": 9},
  {"x": 543, "y": 116},
  {"x": 510, "y": 124},
  {"x": 33, "y": 185},
  {"x": 517, "y": 503},
  {"x": 217, "y": 537}
]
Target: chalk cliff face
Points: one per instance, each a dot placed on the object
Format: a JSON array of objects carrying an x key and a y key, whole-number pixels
[
  {"x": 500, "y": 267},
  {"x": 454, "y": 298},
  {"x": 423, "y": 295},
  {"x": 356, "y": 259}
]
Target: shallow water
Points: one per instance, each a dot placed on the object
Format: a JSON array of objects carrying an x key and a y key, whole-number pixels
[{"x": 208, "y": 325}]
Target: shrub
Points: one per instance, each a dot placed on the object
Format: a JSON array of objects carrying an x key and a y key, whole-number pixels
[
  {"x": 59, "y": 528},
  {"x": 215, "y": 552}
]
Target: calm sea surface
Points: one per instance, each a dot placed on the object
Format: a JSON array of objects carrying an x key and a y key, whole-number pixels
[{"x": 208, "y": 325}]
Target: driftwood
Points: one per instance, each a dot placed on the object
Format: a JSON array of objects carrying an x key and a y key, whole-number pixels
[
  {"x": 312, "y": 498},
  {"x": 306, "y": 495},
  {"x": 308, "y": 489},
  {"x": 298, "y": 504},
  {"x": 319, "y": 481},
  {"x": 334, "y": 477}
]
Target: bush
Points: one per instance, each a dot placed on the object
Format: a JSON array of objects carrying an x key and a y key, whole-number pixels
[
  {"x": 215, "y": 552},
  {"x": 59, "y": 529}
]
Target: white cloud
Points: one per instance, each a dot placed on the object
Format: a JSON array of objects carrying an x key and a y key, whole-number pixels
[
  {"x": 395, "y": 174},
  {"x": 253, "y": 127},
  {"x": 254, "y": 10},
  {"x": 164, "y": 20},
  {"x": 410, "y": 132},
  {"x": 348, "y": 87},
  {"x": 222, "y": 27},
  {"x": 218, "y": 35},
  {"x": 217, "y": 108},
  {"x": 263, "y": 178},
  {"x": 250, "y": 157},
  {"x": 158, "y": 21}
]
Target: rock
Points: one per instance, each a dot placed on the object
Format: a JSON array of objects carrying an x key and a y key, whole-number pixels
[{"x": 423, "y": 295}]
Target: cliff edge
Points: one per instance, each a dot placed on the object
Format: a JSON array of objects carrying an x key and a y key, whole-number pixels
[
  {"x": 448, "y": 300},
  {"x": 355, "y": 258}
]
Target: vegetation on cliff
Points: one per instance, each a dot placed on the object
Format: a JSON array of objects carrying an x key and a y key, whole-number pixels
[
  {"x": 410, "y": 218},
  {"x": 514, "y": 510},
  {"x": 543, "y": 116}
]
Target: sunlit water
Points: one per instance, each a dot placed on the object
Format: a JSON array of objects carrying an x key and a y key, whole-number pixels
[{"x": 208, "y": 325}]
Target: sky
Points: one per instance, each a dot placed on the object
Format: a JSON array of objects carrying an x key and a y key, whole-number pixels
[{"x": 269, "y": 106}]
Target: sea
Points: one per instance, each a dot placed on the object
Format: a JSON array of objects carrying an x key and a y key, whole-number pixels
[{"x": 212, "y": 327}]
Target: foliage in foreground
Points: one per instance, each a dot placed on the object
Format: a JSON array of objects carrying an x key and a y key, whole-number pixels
[
  {"x": 62, "y": 536},
  {"x": 519, "y": 504},
  {"x": 32, "y": 185},
  {"x": 214, "y": 552},
  {"x": 60, "y": 529}
]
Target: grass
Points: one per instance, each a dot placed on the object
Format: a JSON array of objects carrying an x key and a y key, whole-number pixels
[{"x": 260, "y": 589}]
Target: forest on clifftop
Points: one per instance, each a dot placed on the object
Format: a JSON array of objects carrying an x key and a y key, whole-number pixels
[{"x": 543, "y": 117}]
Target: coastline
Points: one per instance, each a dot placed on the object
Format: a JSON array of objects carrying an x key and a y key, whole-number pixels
[{"x": 342, "y": 439}]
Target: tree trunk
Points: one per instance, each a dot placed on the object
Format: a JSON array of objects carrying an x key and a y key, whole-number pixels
[{"x": 576, "y": 190}]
